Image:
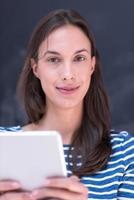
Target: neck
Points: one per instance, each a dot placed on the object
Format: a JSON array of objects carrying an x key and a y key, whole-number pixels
[{"x": 65, "y": 121}]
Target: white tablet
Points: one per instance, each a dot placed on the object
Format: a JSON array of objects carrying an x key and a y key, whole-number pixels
[{"x": 30, "y": 157}]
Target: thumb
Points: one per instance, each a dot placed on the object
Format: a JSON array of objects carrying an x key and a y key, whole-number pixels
[{"x": 9, "y": 185}]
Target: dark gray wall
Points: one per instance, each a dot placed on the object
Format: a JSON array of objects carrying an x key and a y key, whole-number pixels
[{"x": 112, "y": 22}]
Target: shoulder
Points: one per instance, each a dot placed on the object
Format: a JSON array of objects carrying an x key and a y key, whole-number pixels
[
  {"x": 122, "y": 146},
  {"x": 122, "y": 138},
  {"x": 10, "y": 129}
]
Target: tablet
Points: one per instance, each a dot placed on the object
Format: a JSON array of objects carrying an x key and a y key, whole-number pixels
[{"x": 30, "y": 157}]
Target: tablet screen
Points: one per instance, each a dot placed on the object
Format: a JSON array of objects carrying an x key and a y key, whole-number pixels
[{"x": 30, "y": 157}]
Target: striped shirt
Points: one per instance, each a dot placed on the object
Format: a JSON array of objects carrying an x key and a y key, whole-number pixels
[{"x": 114, "y": 182}]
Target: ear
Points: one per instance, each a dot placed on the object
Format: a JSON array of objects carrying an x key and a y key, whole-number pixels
[
  {"x": 93, "y": 63},
  {"x": 34, "y": 67}
]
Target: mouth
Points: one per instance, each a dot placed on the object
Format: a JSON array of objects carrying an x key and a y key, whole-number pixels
[{"x": 67, "y": 90}]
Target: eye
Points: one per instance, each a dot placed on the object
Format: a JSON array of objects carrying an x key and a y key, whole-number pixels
[
  {"x": 54, "y": 60},
  {"x": 79, "y": 58}
]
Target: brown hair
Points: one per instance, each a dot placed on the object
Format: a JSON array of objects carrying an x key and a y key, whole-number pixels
[{"x": 92, "y": 139}]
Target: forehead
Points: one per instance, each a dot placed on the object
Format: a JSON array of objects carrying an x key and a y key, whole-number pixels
[{"x": 68, "y": 37}]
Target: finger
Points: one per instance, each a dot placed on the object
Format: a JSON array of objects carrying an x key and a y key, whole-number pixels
[
  {"x": 9, "y": 185},
  {"x": 16, "y": 196},
  {"x": 74, "y": 177},
  {"x": 70, "y": 183},
  {"x": 58, "y": 194}
]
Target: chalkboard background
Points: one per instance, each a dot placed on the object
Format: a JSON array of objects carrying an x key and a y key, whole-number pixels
[{"x": 112, "y": 22}]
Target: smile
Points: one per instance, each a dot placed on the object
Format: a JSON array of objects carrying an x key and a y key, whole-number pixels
[{"x": 67, "y": 90}]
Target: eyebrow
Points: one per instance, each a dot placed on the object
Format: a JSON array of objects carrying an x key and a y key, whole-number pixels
[
  {"x": 81, "y": 50},
  {"x": 57, "y": 53}
]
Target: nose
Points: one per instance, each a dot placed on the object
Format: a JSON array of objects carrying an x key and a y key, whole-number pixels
[{"x": 68, "y": 72}]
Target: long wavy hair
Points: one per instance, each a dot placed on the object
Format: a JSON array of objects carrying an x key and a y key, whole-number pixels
[{"x": 92, "y": 139}]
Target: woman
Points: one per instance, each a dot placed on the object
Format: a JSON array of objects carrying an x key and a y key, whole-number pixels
[{"x": 62, "y": 89}]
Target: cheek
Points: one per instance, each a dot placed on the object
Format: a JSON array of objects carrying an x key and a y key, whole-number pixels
[
  {"x": 86, "y": 75},
  {"x": 86, "y": 69},
  {"x": 86, "y": 80},
  {"x": 47, "y": 82},
  {"x": 45, "y": 75}
]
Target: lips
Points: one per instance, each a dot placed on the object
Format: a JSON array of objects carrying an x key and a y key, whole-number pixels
[{"x": 67, "y": 90}]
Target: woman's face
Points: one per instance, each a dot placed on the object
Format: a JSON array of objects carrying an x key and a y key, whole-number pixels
[{"x": 65, "y": 67}]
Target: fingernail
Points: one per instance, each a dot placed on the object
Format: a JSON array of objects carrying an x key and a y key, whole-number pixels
[
  {"x": 75, "y": 177},
  {"x": 16, "y": 184},
  {"x": 31, "y": 197},
  {"x": 46, "y": 182},
  {"x": 34, "y": 193}
]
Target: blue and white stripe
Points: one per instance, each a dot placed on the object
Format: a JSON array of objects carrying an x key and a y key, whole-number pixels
[{"x": 116, "y": 181}]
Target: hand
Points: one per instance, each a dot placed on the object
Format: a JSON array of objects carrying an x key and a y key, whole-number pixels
[
  {"x": 8, "y": 191},
  {"x": 62, "y": 188}
]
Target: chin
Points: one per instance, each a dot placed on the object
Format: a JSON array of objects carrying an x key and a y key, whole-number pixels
[{"x": 69, "y": 105}]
